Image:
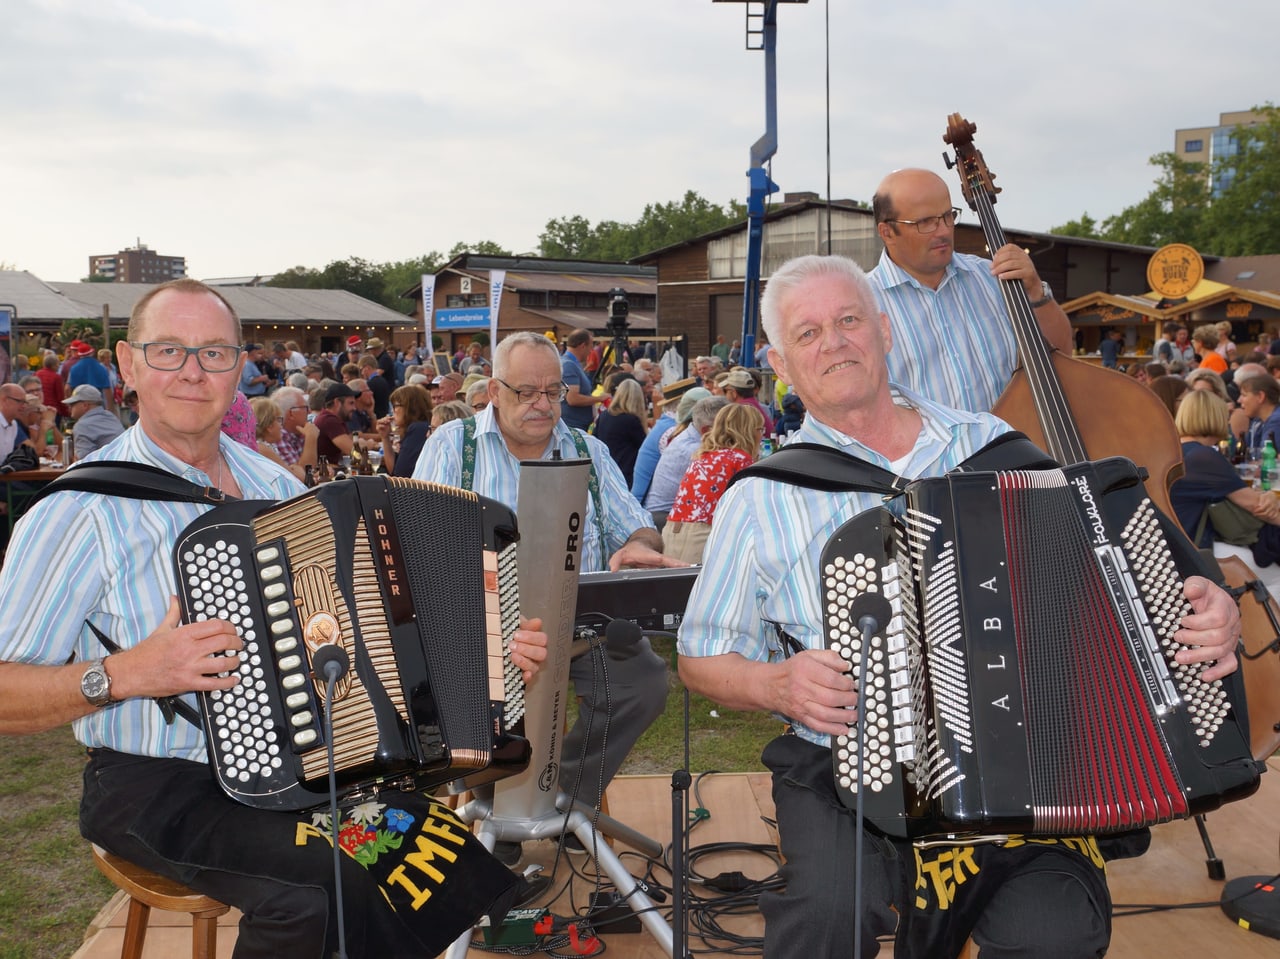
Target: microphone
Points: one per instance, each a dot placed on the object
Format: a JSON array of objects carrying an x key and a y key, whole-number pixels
[
  {"x": 622, "y": 633},
  {"x": 871, "y": 612},
  {"x": 330, "y": 662}
]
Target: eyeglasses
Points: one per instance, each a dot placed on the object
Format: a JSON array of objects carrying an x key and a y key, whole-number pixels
[
  {"x": 14, "y": 399},
  {"x": 170, "y": 357},
  {"x": 302, "y": 409},
  {"x": 529, "y": 397},
  {"x": 929, "y": 224},
  {"x": 35, "y": 391}
]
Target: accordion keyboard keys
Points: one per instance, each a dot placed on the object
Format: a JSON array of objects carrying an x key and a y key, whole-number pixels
[
  {"x": 218, "y": 589},
  {"x": 888, "y": 722},
  {"x": 1161, "y": 587}
]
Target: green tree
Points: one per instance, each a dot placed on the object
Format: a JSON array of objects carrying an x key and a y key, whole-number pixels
[
  {"x": 565, "y": 238},
  {"x": 1173, "y": 212},
  {"x": 1244, "y": 219},
  {"x": 403, "y": 275},
  {"x": 296, "y": 278},
  {"x": 483, "y": 248},
  {"x": 660, "y": 225},
  {"x": 355, "y": 275},
  {"x": 1085, "y": 227},
  {"x": 86, "y": 329}
]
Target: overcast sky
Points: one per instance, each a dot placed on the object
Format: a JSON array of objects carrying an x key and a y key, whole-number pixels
[{"x": 254, "y": 135}]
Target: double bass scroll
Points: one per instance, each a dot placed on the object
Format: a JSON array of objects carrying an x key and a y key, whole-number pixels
[{"x": 1075, "y": 411}]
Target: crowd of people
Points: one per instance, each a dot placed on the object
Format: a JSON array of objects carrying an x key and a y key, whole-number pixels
[{"x": 899, "y": 367}]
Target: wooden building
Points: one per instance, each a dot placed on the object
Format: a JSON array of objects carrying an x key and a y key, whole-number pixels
[
  {"x": 700, "y": 281},
  {"x": 543, "y": 295}
]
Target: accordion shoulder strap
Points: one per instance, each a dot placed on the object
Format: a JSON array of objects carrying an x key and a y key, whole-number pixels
[
  {"x": 468, "y": 470},
  {"x": 135, "y": 481},
  {"x": 815, "y": 466}
]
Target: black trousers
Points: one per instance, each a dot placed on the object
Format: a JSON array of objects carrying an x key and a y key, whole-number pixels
[
  {"x": 170, "y": 816},
  {"x": 1046, "y": 900}
]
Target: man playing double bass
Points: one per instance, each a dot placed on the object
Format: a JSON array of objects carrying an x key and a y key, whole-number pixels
[{"x": 954, "y": 342}]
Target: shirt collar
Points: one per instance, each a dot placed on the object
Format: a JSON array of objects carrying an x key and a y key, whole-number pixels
[
  {"x": 892, "y": 275},
  {"x": 939, "y": 425}
]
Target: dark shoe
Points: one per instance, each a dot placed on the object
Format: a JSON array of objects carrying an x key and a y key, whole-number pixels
[
  {"x": 532, "y": 888},
  {"x": 573, "y": 845},
  {"x": 507, "y": 853}
]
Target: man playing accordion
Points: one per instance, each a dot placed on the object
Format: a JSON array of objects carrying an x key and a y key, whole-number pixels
[{"x": 761, "y": 581}]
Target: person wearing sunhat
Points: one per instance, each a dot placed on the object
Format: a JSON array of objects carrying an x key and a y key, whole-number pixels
[
  {"x": 740, "y": 387},
  {"x": 386, "y": 362},
  {"x": 94, "y": 425}
]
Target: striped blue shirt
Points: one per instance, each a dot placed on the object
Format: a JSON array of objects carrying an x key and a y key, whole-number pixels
[
  {"x": 497, "y": 476},
  {"x": 955, "y": 344},
  {"x": 83, "y": 556},
  {"x": 762, "y": 559}
]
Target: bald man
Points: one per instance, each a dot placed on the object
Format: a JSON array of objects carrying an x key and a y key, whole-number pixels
[{"x": 952, "y": 337}]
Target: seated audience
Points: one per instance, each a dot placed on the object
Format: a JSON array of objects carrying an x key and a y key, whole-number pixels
[
  {"x": 1260, "y": 400},
  {"x": 1208, "y": 478},
  {"x": 731, "y": 444},
  {"x": 268, "y": 427},
  {"x": 405, "y": 430},
  {"x": 93, "y": 426},
  {"x": 694, "y": 417},
  {"x": 298, "y": 435},
  {"x": 1170, "y": 390},
  {"x": 448, "y": 412},
  {"x": 623, "y": 426},
  {"x": 238, "y": 422}
]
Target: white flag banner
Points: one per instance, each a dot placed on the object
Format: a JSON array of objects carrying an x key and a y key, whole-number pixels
[
  {"x": 428, "y": 305},
  {"x": 496, "y": 279}
]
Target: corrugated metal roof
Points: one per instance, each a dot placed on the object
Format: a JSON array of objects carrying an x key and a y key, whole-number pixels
[
  {"x": 36, "y": 300},
  {"x": 581, "y": 282},
  {"x": 594, "y": 320},
  {"x": 1247, "y": 272},
  {"x": 52, "y": 303}
]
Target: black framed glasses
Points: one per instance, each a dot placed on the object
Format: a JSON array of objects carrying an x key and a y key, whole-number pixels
[
  {"x": 170, "y": 357},
  {"x": 529, "y": 397},
  {"x": 929, "y": 224}
]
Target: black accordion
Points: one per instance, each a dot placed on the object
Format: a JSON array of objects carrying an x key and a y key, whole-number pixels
[
  {"x": 1020, "y": 673},
  {"x": 416, "y": 583}
]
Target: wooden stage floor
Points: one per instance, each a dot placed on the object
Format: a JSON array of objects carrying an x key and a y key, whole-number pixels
[{"x": 1246, "y": 836}]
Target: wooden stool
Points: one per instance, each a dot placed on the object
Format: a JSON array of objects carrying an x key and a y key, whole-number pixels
[{"x": 146, "y": 891}]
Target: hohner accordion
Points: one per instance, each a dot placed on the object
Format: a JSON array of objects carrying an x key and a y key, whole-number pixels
[
  {"x": 416, "y": 582},
  {"x": 1020, "y": 667}
]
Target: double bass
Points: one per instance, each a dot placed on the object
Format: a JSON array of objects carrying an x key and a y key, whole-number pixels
[
  {"x": 1080, "y": 412},
  {"x": 1072, "y": 409}
]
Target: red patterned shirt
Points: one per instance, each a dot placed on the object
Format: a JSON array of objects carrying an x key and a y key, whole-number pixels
[{"x": 704, "y": 483}]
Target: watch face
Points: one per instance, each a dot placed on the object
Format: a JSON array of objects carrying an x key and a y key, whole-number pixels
[{"x": 95, "y": 684}]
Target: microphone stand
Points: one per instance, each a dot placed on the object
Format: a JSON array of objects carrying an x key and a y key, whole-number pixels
[{"x": 331, "y": 662}]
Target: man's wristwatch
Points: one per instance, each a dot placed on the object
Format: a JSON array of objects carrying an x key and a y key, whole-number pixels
[
  {"x": 96, "y": 684},
  {"x": 1046, "y": 296}
]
